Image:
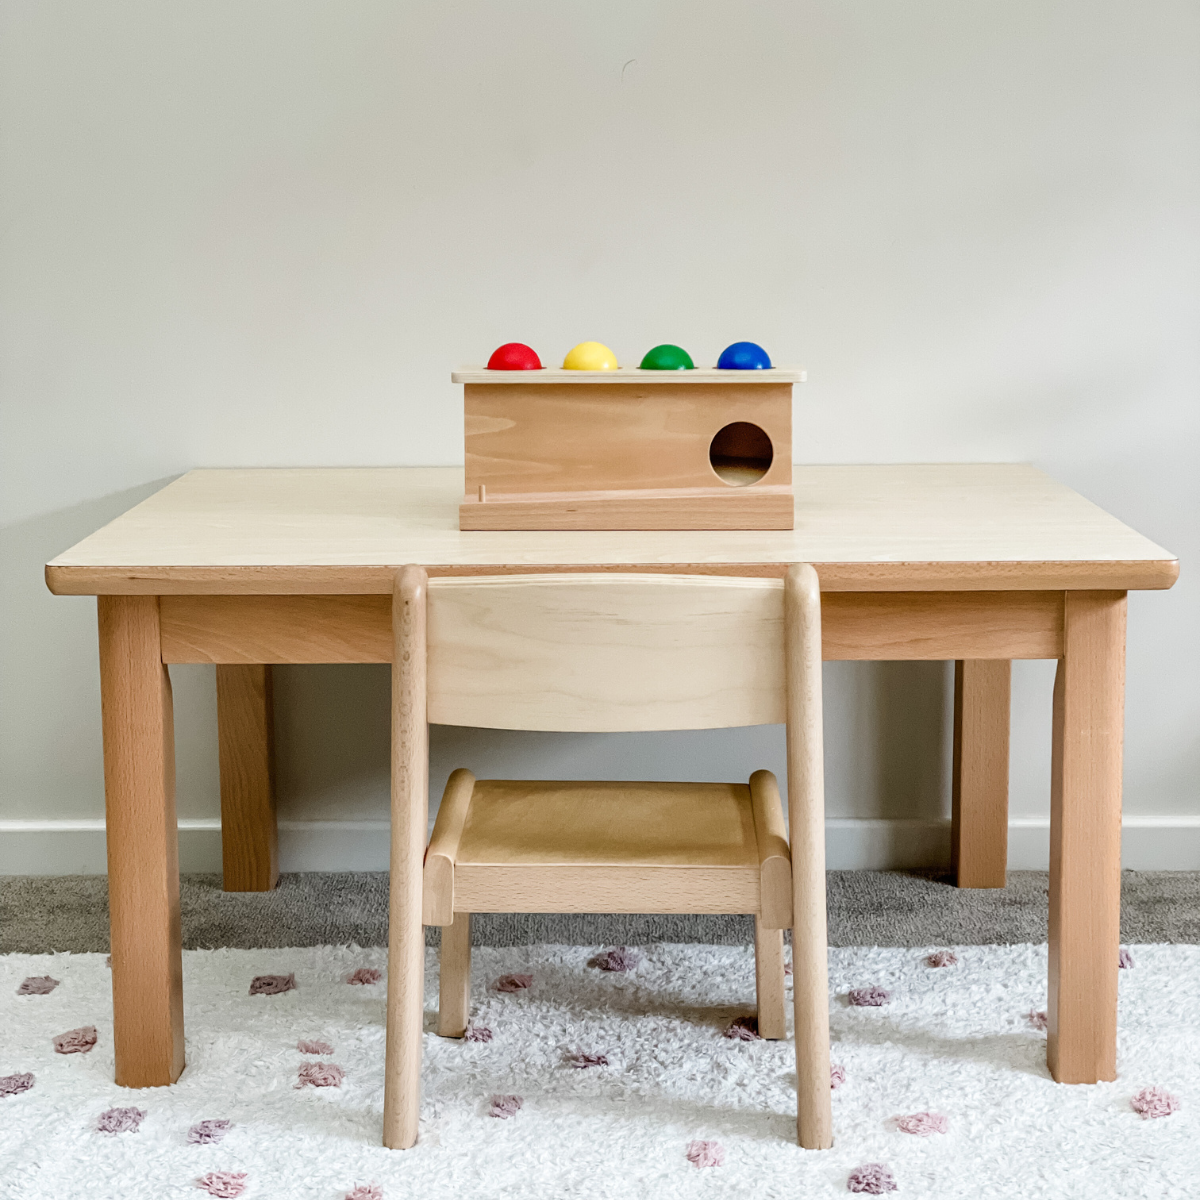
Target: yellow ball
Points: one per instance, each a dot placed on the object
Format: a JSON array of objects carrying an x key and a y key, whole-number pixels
[{"x": 590, "y": 356}]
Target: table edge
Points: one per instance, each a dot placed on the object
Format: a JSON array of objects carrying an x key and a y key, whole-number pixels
[{"x": 907, "y": 576}]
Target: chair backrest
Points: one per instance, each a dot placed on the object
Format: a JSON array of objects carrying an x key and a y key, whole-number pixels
[{"x": 606, "y": 652}]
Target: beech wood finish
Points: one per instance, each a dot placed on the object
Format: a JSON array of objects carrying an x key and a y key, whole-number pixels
[
  {"x": 454, "y": 977},
  {"x": 606, "y": 652},
  {"x": 586, "y": 437},
  {"x": 768, "y": 974},
  {"x": 774, "y": 854},
  {"x": 979, "y": 811},
  {"x": 1085, "y": 840},
  {"x": 931, "y": 625},
  {"x": 246, "y": 739},
  {"x": 603, "y": 450},
  {"x": 410, "y": 816},
  {"x": 549, "y": 846},
  {"x": 143, "y": 844},
  {"x": 877, "y": 528},
  {"x": 762, "y": 506},
  {"x": 806, "y": 822},
  {"x": 333, "y": 540},
  {"x": 634, "y": 652},
  {"x": 888, "y": 625},
  {"x": 437, "y": 904}
]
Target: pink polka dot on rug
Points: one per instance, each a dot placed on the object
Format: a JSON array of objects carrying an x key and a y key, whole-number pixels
[
  {"x": 742, "y": 1029},
  {"x": 869, "y": 997},
  {"x": 873, "y": 1179},
  {"x": 504, "y": 1107},
  {"x": 365, "y": 976},
  {"x": 1038, "y": 1019},
  {"x": 942, "y": 958},
  {"x": 37, "y": 985},
  {"x": 837, "y": 1075},
  {"x": 581, "y": 1060},
  {"x": 208, "y": 1133},
  {"x": 477, "y": 1033},
  {"x": 120, "y": 1120},
  {"x": 513, "y": 983},
  {"x": 1153, "y": 1102},
  {"x": 320, "y": 1074},
  {"x": 1124, "y": 959},
  {"x": 76, "y": 1041},
  {"x": 14, "y": 1085},
  {"x": 621, "y": 959},
  {"x": 923, "y": 1124},
  {"x": 706, "y": 1154},
  {"x": 226, "y": 1185},
  {"x": 307, "y": 1047},
  {"x": 366, "y": 1191},
  {"x": 272, "y": 985}
]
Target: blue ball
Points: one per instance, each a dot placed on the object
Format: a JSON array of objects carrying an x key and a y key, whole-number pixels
[{"x": 744, "y": 356}]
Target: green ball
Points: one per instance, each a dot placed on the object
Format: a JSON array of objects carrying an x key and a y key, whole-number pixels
[{"x": 668, "y": 358}]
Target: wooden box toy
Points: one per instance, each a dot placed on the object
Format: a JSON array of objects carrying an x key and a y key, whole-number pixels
[{"x": 627, "y": 448}]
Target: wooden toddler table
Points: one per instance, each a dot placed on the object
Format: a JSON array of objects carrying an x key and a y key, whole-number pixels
[{"x": 976, "y": 563}]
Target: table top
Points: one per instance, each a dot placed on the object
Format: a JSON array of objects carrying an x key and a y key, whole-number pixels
[{"x": 927, "y": 527}]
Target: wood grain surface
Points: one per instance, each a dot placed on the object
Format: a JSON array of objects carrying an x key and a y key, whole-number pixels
[
  {"x": 585, "y": 437},
  {"x": 715, "y": 508},
  {"x": 770, "y": 982},
  {"x": 883, "y": 626},
  {"x": 806, "y": 824},
  {"x": 410, "y": 816},
  {"x": 581, "y": 846},
  {"x": 1085, "y": 840},
  {"x": 440, "y": 854},
  {"x": 454, "y": 977},
  {"x": 979, "y": 786},
  {"x": 774, "y": 857},
  {"x": 246, "y": 747},
  {"x": 143, "y": 845},
  {"x": 605, "y": 652},
  {"x": 942, "y": 527}
]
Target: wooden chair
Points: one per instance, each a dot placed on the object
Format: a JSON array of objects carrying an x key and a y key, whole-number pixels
[{"x": 615, "y": 652}]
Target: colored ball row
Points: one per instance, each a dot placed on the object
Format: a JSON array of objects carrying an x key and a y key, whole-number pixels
[{"x": 593, "y": 356}]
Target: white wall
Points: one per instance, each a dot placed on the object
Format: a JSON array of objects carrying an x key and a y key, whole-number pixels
[{"x": 257, "y": 233}]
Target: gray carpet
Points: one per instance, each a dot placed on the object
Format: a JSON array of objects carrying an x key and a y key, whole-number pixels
[{"x": 881, "y": 908}]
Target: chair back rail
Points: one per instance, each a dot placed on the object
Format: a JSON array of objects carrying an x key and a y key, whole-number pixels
[{"x": 606, "y": 652}]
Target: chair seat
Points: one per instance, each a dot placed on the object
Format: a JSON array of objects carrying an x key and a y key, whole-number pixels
[
  {"x": 513, "y": 821},
  {"x": 539, "y": 846}
]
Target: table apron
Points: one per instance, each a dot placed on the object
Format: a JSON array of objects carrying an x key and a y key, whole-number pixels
[{"x": 855, "y": 625}]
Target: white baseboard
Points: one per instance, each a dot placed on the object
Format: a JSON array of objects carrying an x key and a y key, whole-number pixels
[
  {"x": 76, "y": 847},
  {"x": 1147, "y": 843}
]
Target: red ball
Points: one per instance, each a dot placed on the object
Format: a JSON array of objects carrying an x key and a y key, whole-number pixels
[{"x": 514, "y": 356}]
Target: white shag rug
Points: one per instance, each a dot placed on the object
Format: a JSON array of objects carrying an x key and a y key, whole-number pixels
[{"x": 954, "y": 1040}]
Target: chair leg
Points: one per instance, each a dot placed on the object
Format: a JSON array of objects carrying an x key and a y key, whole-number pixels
[
  {"x": 410, "y": 817},
  {"x": 806, "y": 826},
  {"x": 454, "y": 982},
  {"x": 769, "y": 981}
]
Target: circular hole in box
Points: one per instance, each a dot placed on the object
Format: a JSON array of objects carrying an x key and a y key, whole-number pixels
[{"x": 741, "y": 454}]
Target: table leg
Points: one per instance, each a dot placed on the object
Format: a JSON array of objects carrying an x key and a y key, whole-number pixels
[
  {"x": 979, "y": 828},
  {"x": 245, "y": 725},
  {"x": 143, "y": 843},
  {"x": 1085, "y": 839},
  {"x": 410, "y": 816}
]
